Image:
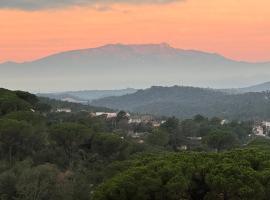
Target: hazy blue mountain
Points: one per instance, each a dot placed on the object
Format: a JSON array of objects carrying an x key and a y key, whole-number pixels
[
  {"x": 263, "y": 87},
  {"x": 86, "y": 96},
  {"x": 137, "y": 66},
  {"x": 185, "y": 102}
]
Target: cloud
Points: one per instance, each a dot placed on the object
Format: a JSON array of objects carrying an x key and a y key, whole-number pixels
[{"x": 55, "y": 4}]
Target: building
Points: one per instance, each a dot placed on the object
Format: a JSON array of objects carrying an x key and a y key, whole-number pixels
[
  {"x": 258, "y": 131},
  {"x": 106, "y": 114},
  {"x": 156, "y": 124},
  {"x": 266, "y": 126},
  {"x": 195, "y": 138},
  {"x": 261, "y": 128},
  {"x": 183, "y": 148},
  {"x": 135, "y": 121},
  {"x": 66, "y": 110},
  {"x": 224, "y": 122}
]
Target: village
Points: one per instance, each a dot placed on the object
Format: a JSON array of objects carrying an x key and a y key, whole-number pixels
[{"x": 137, "y": 126}]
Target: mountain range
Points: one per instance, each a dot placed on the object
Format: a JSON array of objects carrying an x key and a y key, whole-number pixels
[{"x": 137, "y": 66}]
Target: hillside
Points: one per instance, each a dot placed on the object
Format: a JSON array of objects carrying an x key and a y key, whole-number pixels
[
  {"x": 75, "y": 107},
  {"x": 185, "y": 102},
  {"x": 75, "y": 156},
  {"x": 13, "y": 101},
  {"x": 263, "y": 87},
  {"x": 137, "y": 66},
  {"x": 86, "y": 96}
]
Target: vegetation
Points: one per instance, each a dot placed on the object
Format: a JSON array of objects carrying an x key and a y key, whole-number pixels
[
  {"x": 49, "y": 155},
  {"x": 75, "y": 107},
  {"x": 239, "y": 174},
  {"x": 185, "y": 102}
]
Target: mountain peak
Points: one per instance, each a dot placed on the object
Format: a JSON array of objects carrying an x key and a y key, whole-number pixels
[
  {"x": 159, "y": 48},
  {"x": 157, "y": 45}
]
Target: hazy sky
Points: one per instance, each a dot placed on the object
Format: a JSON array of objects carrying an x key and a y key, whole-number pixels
[{"x": 239, "y": 29}]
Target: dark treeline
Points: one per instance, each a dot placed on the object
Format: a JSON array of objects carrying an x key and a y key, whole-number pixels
[{"x": 48, "y": 155}]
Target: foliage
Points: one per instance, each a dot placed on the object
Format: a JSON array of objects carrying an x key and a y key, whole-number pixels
[
  {"x": 74, "y": 156},
  {"x": 172, "y": 176},
  {"x": 185, "y": 102}
]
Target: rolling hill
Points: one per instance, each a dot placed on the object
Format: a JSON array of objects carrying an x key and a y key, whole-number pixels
[
  {"x": 263, "y": 87},
  {"x": 137, "y": 66},
  {"x": 185, "y": 102},
  {"x": 86, "y": 96}
]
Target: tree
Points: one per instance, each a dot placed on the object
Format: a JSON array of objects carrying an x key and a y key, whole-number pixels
[
  {"x": 199, "y": 118},
  {"x": 12, "y": 104},
  {"x": 40, "y": 183},
  {"x": 69, "y": 136},
  {"x": 109, "y": 145},
  {"x": 190, "y": 128},
  {"x": 16, "y": 138},
  {"x": 194, "y": 176},
  {"x": 122, "y": 120},
  {"x": 173, "y": 128},
  {"x": 43, "y": 107},
  {"x": 158, "y": 137},
  {"x": 28, "y": 97},
  {"x": 32, "y": 118},
  {"x": 232, "y": 181},
  {"x": 8, "y": 182},
  {"x": 122, "y": 115},
  {"x": 220, "y": 140}
]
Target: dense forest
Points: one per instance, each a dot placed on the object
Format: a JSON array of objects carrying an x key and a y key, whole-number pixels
[
  {"x": 185, "y": 102},
  {"x": 238, "y": 174},
  {"x": 50, "y": 155}
]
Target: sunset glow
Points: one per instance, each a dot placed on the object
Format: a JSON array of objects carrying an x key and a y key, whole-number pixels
[{"x": 238, "y": 29}]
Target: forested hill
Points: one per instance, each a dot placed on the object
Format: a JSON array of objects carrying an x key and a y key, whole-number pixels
[
  {"x": 263, "y": 87},
  {"x": 185, "y": 102},
  {"x": 75, "y": 107},
  {"x": 86, "y": 96},
  {"x": 12, "y": 101}
]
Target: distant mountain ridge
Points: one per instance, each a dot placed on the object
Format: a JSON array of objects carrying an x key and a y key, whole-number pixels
[
  {"x": 86, "y": 96},
  {"x": 137, "y": 66},
  {"x": 185, "y": 102},
  {"x": 263, "y": 87}
]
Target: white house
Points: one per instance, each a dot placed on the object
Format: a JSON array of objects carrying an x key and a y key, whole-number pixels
[
  {"x": 266, "y": 124},
  {"x": 108, "y": 115},
  {"x": 135, "y": 121},
  {"x": 195, "y": 138},
  {"x": 111, "y": 115},
  {"x": 224, "y": 121},
  {"x": 258, "y": 131},
  {"x": 66, "y": 110}
]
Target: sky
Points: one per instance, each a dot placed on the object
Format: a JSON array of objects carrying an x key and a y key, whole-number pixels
[{"x": 237, "y": 29}]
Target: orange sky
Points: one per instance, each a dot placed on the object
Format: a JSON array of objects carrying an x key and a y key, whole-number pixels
[{"x": 239, "y": 29}]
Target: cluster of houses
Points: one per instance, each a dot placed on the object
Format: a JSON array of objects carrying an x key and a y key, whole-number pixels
[
  {"x": 132, "y": 119},
  {"x": 262, "y": 129},
  {"x": 137, "y": 119}
]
